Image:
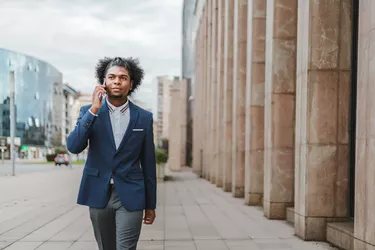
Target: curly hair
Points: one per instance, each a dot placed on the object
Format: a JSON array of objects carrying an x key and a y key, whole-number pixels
[{"x": 136, "y": 73}]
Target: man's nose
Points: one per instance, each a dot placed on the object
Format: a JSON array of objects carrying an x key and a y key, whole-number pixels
[{"x": 117, "y": 81}]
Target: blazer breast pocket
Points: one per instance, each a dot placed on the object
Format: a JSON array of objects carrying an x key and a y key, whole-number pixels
[
  {"x": 137, "y": 135},
  {"x": 138, "y": 130}
]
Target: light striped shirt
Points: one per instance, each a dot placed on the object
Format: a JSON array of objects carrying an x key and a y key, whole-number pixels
[{"x": 120, "y": 117}]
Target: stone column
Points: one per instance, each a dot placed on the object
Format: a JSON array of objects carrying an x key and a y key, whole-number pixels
[
  {"x": 174, "y": 154},
  {"x": 183, "y": 120},
  {"x": 220, "y": 88},
  {"x": 196, "y": 114},
  {"x": 204, "y": 94},
  {"x": 197, "y": 98},
  {"x": 200, "y": 102},
  {"x": 177, "y": 128},
  {"x": 214, "y": 57},
  {"x": 254, "y": 149},
  {"x": 228, "y": 95},
  {"x": 207, "y": 159},
  {"x": 364, "y": 219},
  {"x": 279, "y": 107},
  {"x": 239, "y": 98},
  {"x": 322, "y": 117}
]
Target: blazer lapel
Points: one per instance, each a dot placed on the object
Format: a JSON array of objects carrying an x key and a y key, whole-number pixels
[
  {"x": 103, "y": 114},
  {"x": 133, "y": 120}
]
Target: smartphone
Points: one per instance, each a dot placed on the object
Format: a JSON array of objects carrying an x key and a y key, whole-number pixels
[{"x": 101, "y": 96}]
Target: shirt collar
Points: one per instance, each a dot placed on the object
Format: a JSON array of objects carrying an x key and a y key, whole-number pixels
[{"x": 122, "y": 108}]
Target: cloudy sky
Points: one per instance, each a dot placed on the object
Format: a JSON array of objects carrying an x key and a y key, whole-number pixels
[{"x": 73, "y": 35}]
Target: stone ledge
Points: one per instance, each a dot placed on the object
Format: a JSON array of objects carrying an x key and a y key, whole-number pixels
[
  {"x": 341, "y": 234},
  {"x": 290, "y": 215}
]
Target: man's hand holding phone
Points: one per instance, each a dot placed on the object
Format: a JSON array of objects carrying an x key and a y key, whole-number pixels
[{"x": 97, "y": 97}]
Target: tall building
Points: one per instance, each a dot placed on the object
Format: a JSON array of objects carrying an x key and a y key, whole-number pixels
[
  {"x": 163, "y": 106},
  {"x": 284, "y": 114},
  {"x": 38, "y": 92},
  {"x": 138, "y": 103},
  {"x": 84, "y": 99},
  {"x": 70, "y": 96},
  {"x": 81, "y": 99}
]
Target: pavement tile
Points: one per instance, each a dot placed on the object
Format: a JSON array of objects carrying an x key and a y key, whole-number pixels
[
  {"x": 177, "y": 245},
  {"x": 151, "y": 245},
  {"x": 40, "y": 212},
  {"x": 211, "y": 245},
  {"x": 83, "y": 246},
  {"x": 74, "y": 230},
  {"x": 24, "y": 246},
  {"x": 52, "y": 228},
  {"x": 55, "y": 246}
]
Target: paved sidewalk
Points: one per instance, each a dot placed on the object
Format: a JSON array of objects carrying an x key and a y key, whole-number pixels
[{"x": 38, "y": 211}]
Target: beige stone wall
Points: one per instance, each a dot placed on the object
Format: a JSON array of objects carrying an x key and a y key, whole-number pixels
[
  {"x": 220, "y": 95},
  {"x": 280, "y": 77},
  {"x": 213, "y": 94},
  {"x": 254, "y": 134},
  {"x": 273, "y": 87},
  {"x": 322, "y": 118},
  {"x": 197, "y": 102},
  {"x": 228, "y": 94},
  {"x": 364, "y": 223},
  {"x": 207, "y": 162},
  {"x": 239, "y": 97},
  {"x": 199, "y": 97}
]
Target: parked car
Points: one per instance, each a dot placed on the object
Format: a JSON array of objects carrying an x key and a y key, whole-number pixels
[{"x": 62, "y": 159}]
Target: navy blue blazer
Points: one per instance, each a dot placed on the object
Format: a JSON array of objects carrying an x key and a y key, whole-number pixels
[{"x": 132, "y": 166}]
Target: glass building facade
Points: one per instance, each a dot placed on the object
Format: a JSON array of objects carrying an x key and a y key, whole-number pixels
[{"x": 38, "y": 103}]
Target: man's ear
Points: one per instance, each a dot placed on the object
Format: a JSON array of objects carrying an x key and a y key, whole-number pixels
[{"x": 131, "y": 84}]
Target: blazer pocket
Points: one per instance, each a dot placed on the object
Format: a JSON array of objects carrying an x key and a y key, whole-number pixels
[
  {"x": 138, "y": 130},
  {"x": 91, "y": 171}
]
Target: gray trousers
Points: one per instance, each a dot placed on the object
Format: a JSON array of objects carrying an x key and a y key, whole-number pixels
[{"x": 116, "y": 228}]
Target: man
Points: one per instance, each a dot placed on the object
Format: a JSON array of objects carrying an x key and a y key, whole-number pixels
[{"x": 119, "y": 178}]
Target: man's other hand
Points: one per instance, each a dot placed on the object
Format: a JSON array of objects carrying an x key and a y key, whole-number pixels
[{"x": 149, "y": 216}]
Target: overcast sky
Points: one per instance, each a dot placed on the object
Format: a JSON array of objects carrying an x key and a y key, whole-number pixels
[{"x": 73, "y": 35}]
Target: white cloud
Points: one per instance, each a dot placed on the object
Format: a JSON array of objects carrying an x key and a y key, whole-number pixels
[{"x": 73, "y": 35}]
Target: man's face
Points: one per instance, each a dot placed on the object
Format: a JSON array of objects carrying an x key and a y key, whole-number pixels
[{"x": 118, "y": 82}]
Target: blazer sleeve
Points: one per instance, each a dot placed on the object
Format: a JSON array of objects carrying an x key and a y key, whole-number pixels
[
  {"x": 148, "y": 163},
  {"x": 78, "y": 139}
]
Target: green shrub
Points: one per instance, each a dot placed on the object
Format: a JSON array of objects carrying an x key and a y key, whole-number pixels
[
  {"x": 161, "y": 155},
  {"x": 60, "y": 150},
  {"x": 50, "y": 157}
]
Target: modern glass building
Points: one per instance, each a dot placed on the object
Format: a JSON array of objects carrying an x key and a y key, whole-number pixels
[{"x": 38, "y": 104}]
